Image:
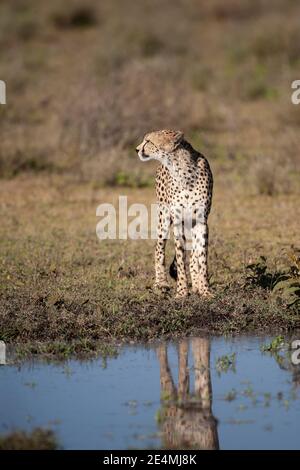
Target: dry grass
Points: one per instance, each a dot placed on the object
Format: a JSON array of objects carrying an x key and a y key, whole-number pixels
[
  {"x": 186, "y": 65},
  {"x": 60, "y": 283}
]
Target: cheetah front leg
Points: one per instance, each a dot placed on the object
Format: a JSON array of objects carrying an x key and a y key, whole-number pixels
[
  {"x": 183, "y": 371},
  {"x": 201, "y": 354},
  {"x": 198, "y": 262},
  {"x": 180, "y": 253},
  {"x": 164, "y": 223},
  {"x": 167, "y": 386}
]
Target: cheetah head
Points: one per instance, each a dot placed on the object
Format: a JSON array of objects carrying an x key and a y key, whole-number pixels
[{"x": 159, "y": 145}]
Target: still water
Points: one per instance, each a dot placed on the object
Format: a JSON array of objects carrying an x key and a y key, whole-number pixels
[{"x": 194, "y": 393}]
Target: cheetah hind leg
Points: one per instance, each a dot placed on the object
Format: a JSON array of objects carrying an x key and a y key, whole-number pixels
[
  {"x": 161, "y": 282},
  {"x": 182, "y": 280},
  {"x": 198, "y": 263},
  {"x": 173, "y": 269}
]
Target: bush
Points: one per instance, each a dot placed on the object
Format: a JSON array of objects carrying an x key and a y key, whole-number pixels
[{"x": 81, "y": 17}]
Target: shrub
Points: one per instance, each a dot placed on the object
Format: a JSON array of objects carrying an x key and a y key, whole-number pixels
[{"x": 80, "y": 17}]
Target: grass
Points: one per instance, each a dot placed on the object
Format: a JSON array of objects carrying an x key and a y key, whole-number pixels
[
  {"x": 226, "y": 363},
  {"x": 82, "y": 348},
  {"x": 276, "y": 344},
  {"x": 68, "y": 134},
  {"x": 63, "y": 290},
  {"x": 38, "y": 439},
  {"x": 286, "y": 282}
]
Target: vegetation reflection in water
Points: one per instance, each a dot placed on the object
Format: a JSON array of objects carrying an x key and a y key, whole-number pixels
[{"x": 195, "y": 393}]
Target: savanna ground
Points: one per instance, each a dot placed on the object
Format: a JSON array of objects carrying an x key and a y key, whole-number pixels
[{"x": 85, "y": 81}]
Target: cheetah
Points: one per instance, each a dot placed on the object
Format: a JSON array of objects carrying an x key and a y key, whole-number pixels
[
  {"x": 187, "y": 419},
  {"x": 184, "y": 186}
]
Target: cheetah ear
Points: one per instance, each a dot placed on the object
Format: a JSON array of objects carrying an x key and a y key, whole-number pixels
[
  {"x": 179, "y": 136},
  {"x": 175, "y": 141}
]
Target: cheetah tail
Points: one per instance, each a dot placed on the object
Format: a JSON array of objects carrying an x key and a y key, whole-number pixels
[{"x": 173, "y": 269}]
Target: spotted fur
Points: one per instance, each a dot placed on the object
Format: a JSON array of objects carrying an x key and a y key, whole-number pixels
[{"x": 184, "y": 185}]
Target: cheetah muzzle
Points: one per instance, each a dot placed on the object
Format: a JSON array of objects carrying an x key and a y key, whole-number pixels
[{"x": 184, "y": 186}]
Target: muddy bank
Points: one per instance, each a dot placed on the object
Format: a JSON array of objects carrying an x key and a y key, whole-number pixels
[{"x": 72, "y": 328}]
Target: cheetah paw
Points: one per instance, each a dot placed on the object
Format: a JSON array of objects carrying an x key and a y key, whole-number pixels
[
  {"x": 162, "y": 288},
  {"x": 181, "y": 295},
  {"x": 206, "y": 294}
]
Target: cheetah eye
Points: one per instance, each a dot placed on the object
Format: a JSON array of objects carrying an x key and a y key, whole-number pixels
[{"x": 152, "y": 144}]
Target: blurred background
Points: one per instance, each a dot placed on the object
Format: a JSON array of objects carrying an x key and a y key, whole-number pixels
[{"x": 87, "y": 79}]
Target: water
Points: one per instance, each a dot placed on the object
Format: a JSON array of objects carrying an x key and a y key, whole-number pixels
[{"x": 141, "y": 399}]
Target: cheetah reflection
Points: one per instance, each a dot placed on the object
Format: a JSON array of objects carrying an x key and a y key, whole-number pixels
[{"x": 186, "y": 418}]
